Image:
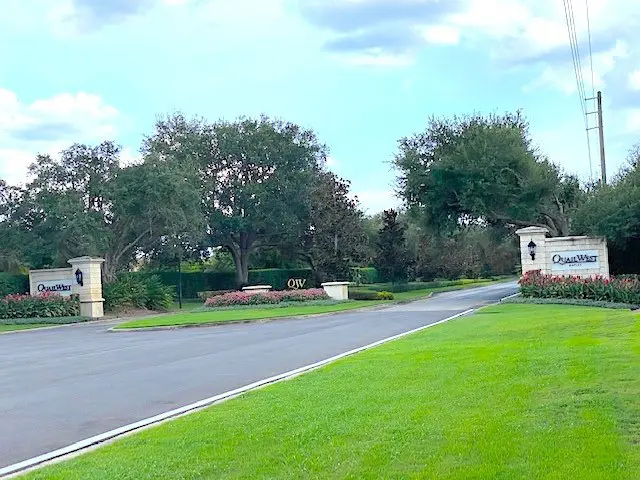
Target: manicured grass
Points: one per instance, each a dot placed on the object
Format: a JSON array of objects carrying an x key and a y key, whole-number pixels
[
  {"x": 516, "y": 391},
  {"x": 12, "y": 328},
  {"x": 241, "y": 314},
  {"x": 196, "y": 316}
]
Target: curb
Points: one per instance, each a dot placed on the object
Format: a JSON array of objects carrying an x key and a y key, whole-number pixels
[{"x": 92, "y": 442}]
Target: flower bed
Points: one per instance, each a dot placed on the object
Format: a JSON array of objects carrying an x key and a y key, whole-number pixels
[
  {"x": 47, "y": 305},
  {"x": 617, "y": 290},
  {"x": 247, "y": 298}
]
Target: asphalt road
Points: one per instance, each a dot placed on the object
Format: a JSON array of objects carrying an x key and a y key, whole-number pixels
[{"x": 63, "y": 385}]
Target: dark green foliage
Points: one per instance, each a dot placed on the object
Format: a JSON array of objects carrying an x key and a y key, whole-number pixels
[
  {"x": 195, "y": 282},
  {"x": 460, "y": 170},
  {"x": 613, "y": 211},
  {"x": 138, "y": 291},
  {"x": 392, "y": 261},
  {"x": 364, "y": 275},
  {"x": 467, "y": 253},
  {"x": 13, "y": 283},
  {"x": 571, "y": 301},
  {"x": 43, "y": 306}
]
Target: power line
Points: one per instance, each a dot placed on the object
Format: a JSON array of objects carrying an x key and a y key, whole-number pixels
[{"x": 577, "y": 67}]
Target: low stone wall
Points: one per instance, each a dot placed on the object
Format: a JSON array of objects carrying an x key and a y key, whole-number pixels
[
  {"x": 55, "y": 280},
  {"x": 579, "y": 256}
]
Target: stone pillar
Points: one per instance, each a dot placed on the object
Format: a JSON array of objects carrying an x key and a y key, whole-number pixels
[
  {"x": 337, "y": 290},
  {"x": 537, "y": 235},
  {"x": 90, "y": 291}
]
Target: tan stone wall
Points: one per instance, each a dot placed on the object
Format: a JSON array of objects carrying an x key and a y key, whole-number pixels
[
  {"x": 546, "y": 248},
  {"x": 37, "y": 277}
]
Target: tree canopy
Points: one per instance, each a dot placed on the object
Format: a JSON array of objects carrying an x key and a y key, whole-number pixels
[
  {"x": 256, "y": 178},
  {"x": 476, "y": 168}
]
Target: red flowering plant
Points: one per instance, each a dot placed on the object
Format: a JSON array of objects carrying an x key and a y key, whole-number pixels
[
  {"x": 232, "y": 299},
  {"x": 535, "y": 284},
  {"x": 46, "y": 305}
]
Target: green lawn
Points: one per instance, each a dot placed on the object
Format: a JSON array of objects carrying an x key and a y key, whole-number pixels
[
  {"x": 242, "y": 314},
  {"x": 516, "y": 391},
  {"x": 194, "y": 316},
  {"x": 12, "y": 328}
]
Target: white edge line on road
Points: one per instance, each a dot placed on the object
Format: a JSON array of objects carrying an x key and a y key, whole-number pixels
[
  {"x": 510, "y": 296},
  {"x": 112, "y": 434}
]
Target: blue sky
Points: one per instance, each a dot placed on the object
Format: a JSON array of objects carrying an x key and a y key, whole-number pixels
[{"x": 361, "y": 73}]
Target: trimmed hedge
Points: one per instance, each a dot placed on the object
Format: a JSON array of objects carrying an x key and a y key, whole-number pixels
[
  {"x": 626, "y": 290},
  {"x": 413, "y": 286},
  {"x": 364, "y": 275},
  {"x": 41, "y": 306},
  {"x": 355, "y": 294},
  {"x": 195, "y": 282},
  {"x": 13, "y": 283}
]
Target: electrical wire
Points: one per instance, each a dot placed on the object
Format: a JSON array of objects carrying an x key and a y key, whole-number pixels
[{"x": 577, "y": 67}]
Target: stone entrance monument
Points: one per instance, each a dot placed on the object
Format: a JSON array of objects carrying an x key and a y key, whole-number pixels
[
  {"x": 578, "y": 256},
  {"x": 84, "y": 279}
]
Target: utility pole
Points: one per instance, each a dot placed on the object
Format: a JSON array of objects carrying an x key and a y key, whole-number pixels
[{"x": 603, "y": 164}]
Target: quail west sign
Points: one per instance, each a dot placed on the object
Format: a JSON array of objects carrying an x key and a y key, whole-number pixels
[
  {"x": 576, "y": 260},
  {"x": 61, "y": 287}
]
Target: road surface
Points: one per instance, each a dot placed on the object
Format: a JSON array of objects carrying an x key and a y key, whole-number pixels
[{"x": 63, "y": 385}]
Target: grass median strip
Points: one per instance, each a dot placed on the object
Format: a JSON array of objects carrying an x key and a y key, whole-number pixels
[
  {"x": 229, "y": 315},
  {"x": 13, "y": 328},
  {"x": 516, "y": 391},
  {"x": 241, "y": 314}
]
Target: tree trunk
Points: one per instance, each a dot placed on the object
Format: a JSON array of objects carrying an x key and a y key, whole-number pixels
[{"x": 240, "y": 253}]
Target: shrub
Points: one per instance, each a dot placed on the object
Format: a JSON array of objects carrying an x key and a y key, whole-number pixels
[
  {"x": 48, "y": 305},
  {"x": 137, "y": 291},
  {"x": 385, "y": 295},
  {"x": 364, "y": 275},
  {"x": 11, "y": 284},
  {"x": 355, "y": 294},
  {"x": 246, "y": 298},
  {"x": 626, "y": 290}
]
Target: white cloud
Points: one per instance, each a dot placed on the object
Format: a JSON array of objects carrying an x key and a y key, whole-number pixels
[
  {"x": 632, "y": 121},
  {"x": 332, "y": 163},
  {"x": 379, "y": 59},
  {"x": 634, "y": 80},
  {"x": 48, "y": 126},
  {"x": 442, "y": 34},
  {"x": 562, "y": 77}
]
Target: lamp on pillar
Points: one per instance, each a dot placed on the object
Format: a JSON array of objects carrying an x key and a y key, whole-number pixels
[
  {"x": 79, "y": 279},
  {"x": 532, "y": 249}
]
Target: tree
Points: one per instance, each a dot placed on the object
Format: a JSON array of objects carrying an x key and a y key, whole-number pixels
[
  {"x": 392, "y": 260},
  {"x": 84, "y": 203},
  {"x": 255, "y": 178},
  {"x": 483, "y": 169},
  {"x": 335, "y": 238},
  {"x": 613, "y": 211}
]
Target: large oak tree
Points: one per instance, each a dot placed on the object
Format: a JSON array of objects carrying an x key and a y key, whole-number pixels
[{"x": 483, "y": 169}]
